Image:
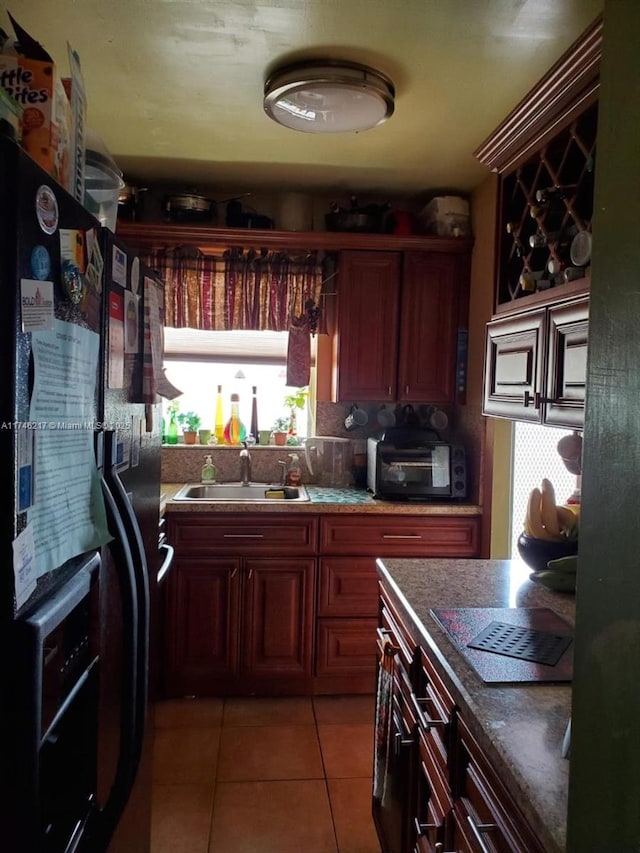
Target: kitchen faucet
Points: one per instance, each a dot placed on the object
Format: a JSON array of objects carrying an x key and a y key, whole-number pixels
[{"x": 245, "y": 465}]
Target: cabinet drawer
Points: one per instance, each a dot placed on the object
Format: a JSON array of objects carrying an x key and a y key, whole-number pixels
[
  {"x": 393, "y": 630},
  {"x": 244, "y": 534},
  {"x": 346, "y": 647},
  {"x": 401, "y": 536},
  {"x": 348, "y": 587},
  {"x": 485, "y": 802},
  {"x": 434, "y": 798}
]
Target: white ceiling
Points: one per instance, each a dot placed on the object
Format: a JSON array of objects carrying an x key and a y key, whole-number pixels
[{"x": 175, "y": 86}]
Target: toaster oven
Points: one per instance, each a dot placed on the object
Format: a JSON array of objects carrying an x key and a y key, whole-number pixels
[{"x": 409, "y": 465}]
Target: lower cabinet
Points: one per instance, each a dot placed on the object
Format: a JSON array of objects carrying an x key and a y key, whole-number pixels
[
  {"x": 348, "y": 584},
  {"x": 286, "y": 603},
  {"x": 441, "y": 793},
  {"x": 241, "y": 624}
]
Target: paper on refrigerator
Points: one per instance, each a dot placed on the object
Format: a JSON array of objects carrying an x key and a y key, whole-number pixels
[{"x": 68, "y": 514}]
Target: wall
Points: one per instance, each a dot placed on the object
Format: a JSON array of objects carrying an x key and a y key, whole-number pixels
[
  {"x": 491, "y": 437},
  {"x": 604, "y": 789}
]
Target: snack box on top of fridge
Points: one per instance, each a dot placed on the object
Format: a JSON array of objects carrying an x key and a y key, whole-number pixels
[{"x": 30, "y": 76}]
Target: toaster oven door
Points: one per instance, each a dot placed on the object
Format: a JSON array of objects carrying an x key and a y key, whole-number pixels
[{"x": 414, "y": 473}]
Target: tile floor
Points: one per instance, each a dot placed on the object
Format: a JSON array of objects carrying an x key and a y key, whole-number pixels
[{"x": 289, "y": 775}]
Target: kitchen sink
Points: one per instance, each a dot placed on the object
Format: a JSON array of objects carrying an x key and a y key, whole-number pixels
[{"x": 237, "y": 492}]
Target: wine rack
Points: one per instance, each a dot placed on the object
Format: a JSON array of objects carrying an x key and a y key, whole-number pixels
[{"x": 545, "y": 214}]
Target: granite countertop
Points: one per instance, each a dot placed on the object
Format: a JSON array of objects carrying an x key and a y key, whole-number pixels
[
  {"x": 520, "y": 726},
  {"x": 321, "y": 500}
]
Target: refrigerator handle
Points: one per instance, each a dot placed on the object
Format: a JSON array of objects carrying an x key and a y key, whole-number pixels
[
  {"x": 125, "y": 770},
  {"x": 136, "y": 545}
]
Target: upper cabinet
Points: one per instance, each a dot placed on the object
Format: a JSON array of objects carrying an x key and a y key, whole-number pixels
[
  {"x": 536, "y": 364},
  {"x": 400, "y": 316},
  {"x": 545, "y": 155}
]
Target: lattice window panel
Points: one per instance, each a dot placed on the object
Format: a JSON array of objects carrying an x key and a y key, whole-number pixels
[{"x": 548, "y": 198}]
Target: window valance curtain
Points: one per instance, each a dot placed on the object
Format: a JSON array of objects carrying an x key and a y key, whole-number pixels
[{"x": 241, "y": 289}]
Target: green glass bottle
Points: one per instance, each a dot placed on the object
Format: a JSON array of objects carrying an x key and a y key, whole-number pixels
[{"x": 172, "y": 429}]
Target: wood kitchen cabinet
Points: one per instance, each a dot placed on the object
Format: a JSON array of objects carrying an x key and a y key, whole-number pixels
[
  {"x": 398, "y": 319},
  {"x": 536, "y": 362},
  {"x": 443, "y": 793},
  {"x": 241, "y": 623},
  {"x": 544, "y": 153},
  {"x": 348, "y": 586}
]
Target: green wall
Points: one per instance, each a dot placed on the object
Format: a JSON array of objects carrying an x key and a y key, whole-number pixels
[{"x": 604, "y": 791}]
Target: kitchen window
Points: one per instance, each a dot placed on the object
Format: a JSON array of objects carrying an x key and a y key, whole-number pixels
[
  {"x": 535, "y": 456},
  {"x": 197, "y": 361}
]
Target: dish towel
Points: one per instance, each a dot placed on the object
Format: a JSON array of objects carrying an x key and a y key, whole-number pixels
[{"x": 384, "y": 710}]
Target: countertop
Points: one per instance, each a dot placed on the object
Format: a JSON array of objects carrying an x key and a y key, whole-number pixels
[
  {"x": 520, "y": 726},
  {"x": 321, "y": 500}
]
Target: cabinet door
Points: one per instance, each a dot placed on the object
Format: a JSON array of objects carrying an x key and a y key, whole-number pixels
[
  {"x": 428, "y": 328},
  {"x": 348, "y": 586},
  {"x": 346, "y": 647},
  {"x": 514, "y": 359},
  {"x": 368, "y": 298},
  {"x": 202, "y": 634},
  {"x": 277, "y": 629},
  {"x": 567, "y": 364}
]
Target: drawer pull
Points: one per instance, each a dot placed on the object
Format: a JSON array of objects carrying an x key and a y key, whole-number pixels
[
  {"x": 477, "y": 829},
  {"x": 388, "y": 648},
  {"x": 422, "y": 828},
  {"x": 425, "y": 722},
  {"x": 243, "y": 535},
  {"x": 401, "y": 536}
]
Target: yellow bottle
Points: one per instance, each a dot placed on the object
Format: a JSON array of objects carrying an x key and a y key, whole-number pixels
[{"x": 219, "y": 422}]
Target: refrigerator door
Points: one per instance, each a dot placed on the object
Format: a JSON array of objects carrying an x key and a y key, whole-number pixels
[
  {"x": 44, "y": 239},
  {"x": 132, "y": 474}
]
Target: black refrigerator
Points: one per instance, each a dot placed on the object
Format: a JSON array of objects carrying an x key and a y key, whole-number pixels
[{"x": 80, "y": 466}]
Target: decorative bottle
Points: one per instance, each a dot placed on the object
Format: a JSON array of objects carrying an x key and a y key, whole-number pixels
[
  {"x": 235, "y": 431},
  {"x": 254, "y": 413},
  {"x": 219, "y": 422},
  {"x": 172, "y": 429}
]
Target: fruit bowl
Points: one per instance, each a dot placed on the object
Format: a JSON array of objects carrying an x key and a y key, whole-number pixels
[{"x": 536, "y": 553}]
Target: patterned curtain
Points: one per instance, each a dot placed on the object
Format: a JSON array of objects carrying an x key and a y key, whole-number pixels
[{"x": 241, "y": 289}]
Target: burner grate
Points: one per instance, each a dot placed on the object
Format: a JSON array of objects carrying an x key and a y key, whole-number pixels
[{"x": 522, "y": 643}]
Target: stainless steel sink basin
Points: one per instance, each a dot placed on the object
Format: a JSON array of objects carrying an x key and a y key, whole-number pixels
[{"x": 237, "y": 492}]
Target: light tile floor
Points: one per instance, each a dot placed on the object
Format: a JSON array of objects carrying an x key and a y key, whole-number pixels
[{"x": 289, "y": 775}]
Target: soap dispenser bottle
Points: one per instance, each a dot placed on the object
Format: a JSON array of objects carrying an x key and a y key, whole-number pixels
[
  {"x": 294, "y": 474},
  {"x": 208, "y": 471}
]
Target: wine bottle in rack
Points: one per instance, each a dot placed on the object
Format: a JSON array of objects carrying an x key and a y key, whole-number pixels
[{"x": 558, "y": 191}]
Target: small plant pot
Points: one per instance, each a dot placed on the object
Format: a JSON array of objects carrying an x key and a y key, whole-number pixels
[
  {"x": 204, "y": 436},
  {"x": 280, "y": 438},
  {"x": 189, "y": 437}
]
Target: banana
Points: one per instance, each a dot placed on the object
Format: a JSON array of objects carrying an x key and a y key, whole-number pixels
[
  {"x": 568, "y": 522},
  {"x": 533, "y": 520},
  {"x": 548, "y": 511}
]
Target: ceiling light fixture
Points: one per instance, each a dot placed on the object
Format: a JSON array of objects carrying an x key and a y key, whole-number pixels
[{"x": 328, "y": 97}]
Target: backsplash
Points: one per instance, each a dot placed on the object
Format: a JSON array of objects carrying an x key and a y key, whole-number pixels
[
  {"x": 466, "y": 424},
  {"x": 183, "y": 463}
]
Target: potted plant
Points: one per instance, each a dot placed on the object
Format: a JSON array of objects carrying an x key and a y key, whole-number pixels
[
  {"x": 190, "y": 423},
  {"x": 280, "y": 430},
  {"x": 296, "y": 400}
]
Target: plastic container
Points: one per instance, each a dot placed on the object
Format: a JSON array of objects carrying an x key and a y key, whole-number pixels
[
  {"x": 294, "y": 474},
  {"x": 208, "y": 474},
  {"x": 102, "y": 181}
]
